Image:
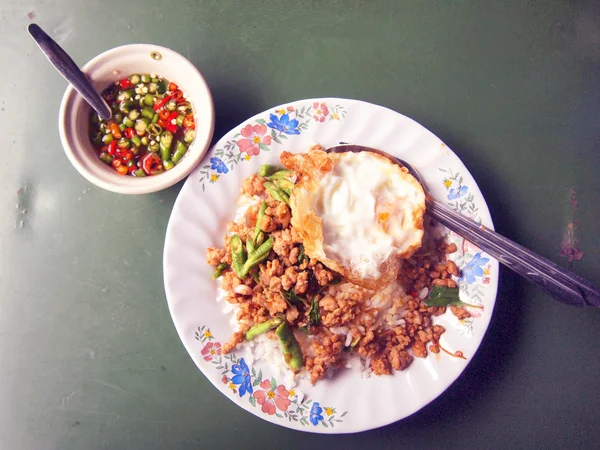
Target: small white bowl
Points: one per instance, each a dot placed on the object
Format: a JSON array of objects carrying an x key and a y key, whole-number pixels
[{"x": 116, "y": 64}]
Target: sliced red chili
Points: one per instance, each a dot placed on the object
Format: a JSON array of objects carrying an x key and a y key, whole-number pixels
[
  {"x": 164, "y": 114},
  {"x": 112, "y": 147},
  {"x": 127, "y": 155},
  {"x": 172, "y": 86},
  {"x": 162, "y": 123},
  {"x": 125, "y": 84},
  {"x": 172, "y": 127},
  {"x": 161, "y": 103},
  {"x": 178, "y": 96},
  {"x": 151, "y": 162},
  {"x": 129, "y": 132},
  {"x": 188, "y": 122},
  {"x": 116, "y": 162}
]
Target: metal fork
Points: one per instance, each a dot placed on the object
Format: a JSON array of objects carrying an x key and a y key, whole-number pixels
[{"x": 561, "y": 284}]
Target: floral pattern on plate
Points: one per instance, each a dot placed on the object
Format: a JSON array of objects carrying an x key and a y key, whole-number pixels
[
  {"x": 263, "y": 134},
  {"x": 262, "y": 392}
]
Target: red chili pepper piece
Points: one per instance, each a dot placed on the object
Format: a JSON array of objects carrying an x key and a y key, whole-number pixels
[
  {"x": 162, "y": 103},
  {"x": 151, "y": 162},
  {"x": 178, "y": 96},
  {"x": 164, "y": 114},
  {"x": 172, "y": 86},
  {"x": 129, "y": 132},
  {"x": 112, "y": 148},
  {"x": 162, "y": 123},
  {"x": 188, "y": 122},
  {"x": 125, "y": 84},
  {"x": 172, "y": 128}
]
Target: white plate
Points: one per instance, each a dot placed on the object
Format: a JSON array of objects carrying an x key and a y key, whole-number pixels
[{"x": 347, "y": 403}]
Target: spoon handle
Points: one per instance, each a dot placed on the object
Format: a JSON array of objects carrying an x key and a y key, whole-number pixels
[
  {"x": 68, "y": 69},
  {"x": 563, "y": 285}
]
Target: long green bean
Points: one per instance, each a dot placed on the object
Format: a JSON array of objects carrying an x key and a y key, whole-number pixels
[
  {"x": 219, "y": 270},
  {"x": 261, "y": 328},
  {"x": 292, "y": 353},
  {"x": 280, "y": 174},
  {"x": 259, "y": 255},
  {"x": 277, "y": 193},
  {"x": 259, "y": 218},
  {"x": 238, "y": 256}
]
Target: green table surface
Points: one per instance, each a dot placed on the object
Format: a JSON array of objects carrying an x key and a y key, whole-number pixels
[{"x": 89, "y": 357}]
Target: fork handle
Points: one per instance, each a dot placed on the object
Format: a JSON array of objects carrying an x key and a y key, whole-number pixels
[{"x": 563, "y": 285}]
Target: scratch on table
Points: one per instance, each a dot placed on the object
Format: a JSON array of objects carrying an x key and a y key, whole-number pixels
[
  {"x": 112, "y": 415},
  {"x": 65, "y": 401},
  {"x": 119, "y": 389},
  {"x": 68, "y": 277}
]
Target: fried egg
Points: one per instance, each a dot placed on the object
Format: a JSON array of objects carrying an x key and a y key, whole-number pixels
[{"x": 358, "y": 213}]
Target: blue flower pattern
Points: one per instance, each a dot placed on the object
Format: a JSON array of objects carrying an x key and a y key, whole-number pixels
[
  {"x": 218, "y": 165},
  {"x": 242, "y": 377},
  {"x": 283, "y": 124},
  {"x": 474, "y": 268},
  {"x": 459, "y": 192},
  {"x": 316, "y": 414}
]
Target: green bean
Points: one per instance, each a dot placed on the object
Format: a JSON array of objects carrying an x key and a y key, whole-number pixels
[
  {"x": 261, "y": 328},
  {"x": 249, "y": 246},
  {"x": 128, "y": 122},
  {"x": 147, "y": 112},
  {"x": 189, "y": 135},
  {"x": 285, "y": 185},
  {"x": 149, "y": 101},
  {"x": 280, "y": 174},
  {"x": 259, "y": 255},
  {"x": 136, "y": 140},
  {"x": 277, "y": 193},
  {"x": 107, "y": 138},
  {"x": 134, "y": 79},
  {"x": 292, "y": 353},
  {"x": 219, "y": 270},
  {"x": 146, "y": 78},
  {"x": 265, "y": 170},
  {"x": 259, "y": 218},
  {"x": 238, "y": 255},
  {"x": 180, "y": 150},
  {"x": 105, "y": 157},
  {"x": 140, "y": 127},
  {"x": 134, "y": 114}
]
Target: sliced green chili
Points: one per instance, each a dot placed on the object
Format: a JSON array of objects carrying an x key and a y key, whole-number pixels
[
  {"x": 107, "y": 138},
  {"x": 136, "y": 140},
  {"x": 145, "y": 78},
  {"x": 147, "y": 112},
  {"x": 105, "y": 157},
  {"x": 134, "y": 79},
  {"x": 149, "y": 101},
  {"x": 180, "y": 150},
  {"x": 134, "y": 114},
  {"x": 128, "y": 122},
  {"x": 189, "y": 135}
]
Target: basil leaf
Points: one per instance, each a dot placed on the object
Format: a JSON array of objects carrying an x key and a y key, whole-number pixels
[
  {"x": 443, "y": 296},
  {"x": 314, "y": 315},
  {"x": 292, "y": 298}
]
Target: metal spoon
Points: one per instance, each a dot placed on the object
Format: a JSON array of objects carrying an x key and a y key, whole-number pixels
[
  {"x": 68, "y": 69},
  {"x": 563, "y": 285}
]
